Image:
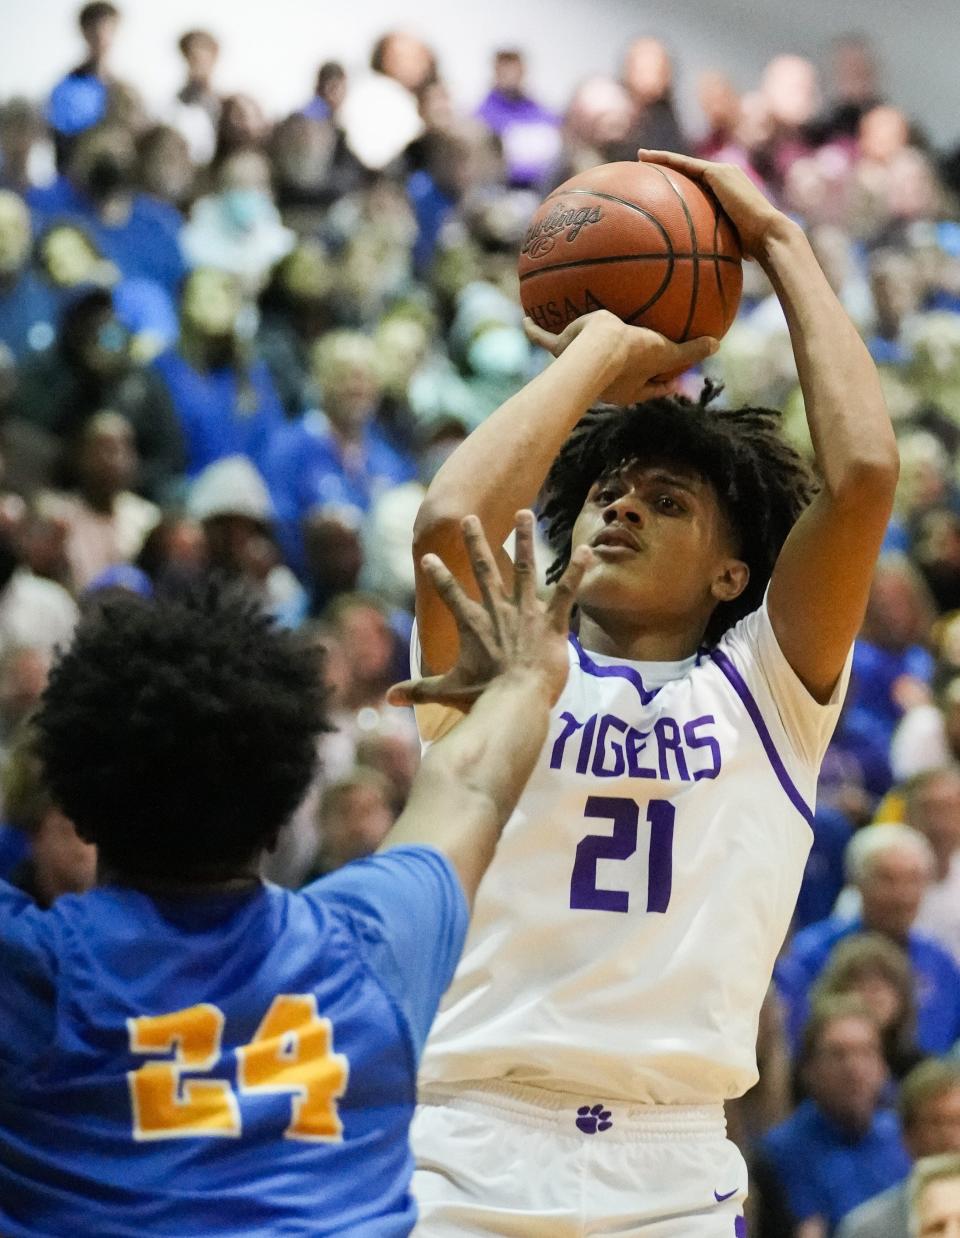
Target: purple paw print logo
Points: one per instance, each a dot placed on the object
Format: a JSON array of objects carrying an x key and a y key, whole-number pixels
[{"x": 592, "y": 1120}]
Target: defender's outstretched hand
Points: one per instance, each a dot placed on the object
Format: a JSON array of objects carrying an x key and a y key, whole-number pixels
[
  {"x": 643, "y": 356},
  {"x": 750, "y": 212},
  {"x": 508, "y": 632}
]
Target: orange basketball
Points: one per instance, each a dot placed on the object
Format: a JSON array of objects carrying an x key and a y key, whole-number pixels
[{"x": 648, "y": 244}]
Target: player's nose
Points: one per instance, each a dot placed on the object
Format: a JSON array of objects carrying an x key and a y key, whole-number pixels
[{"x": 623, "y": 510}]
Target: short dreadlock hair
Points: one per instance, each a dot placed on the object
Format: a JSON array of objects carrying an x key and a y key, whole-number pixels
[
  {"x": 180, "y": 734},
  {"x": 761, "y": 483}
]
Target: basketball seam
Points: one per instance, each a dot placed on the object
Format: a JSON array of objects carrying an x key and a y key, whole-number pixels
[
  {"x": 587, "y": 262},
  {"x": 716, "y": 266},
  {"x": 693, "y": 245},
  {"x": 651, "y": 301}
]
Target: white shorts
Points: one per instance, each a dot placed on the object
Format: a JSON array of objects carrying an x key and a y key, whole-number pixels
[{"x": 497, "y": 1158}]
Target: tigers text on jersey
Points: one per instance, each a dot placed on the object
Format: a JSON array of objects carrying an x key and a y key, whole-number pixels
[
  {"x": 221, "y": 1064},
  {"x": 624, "y": 936}
]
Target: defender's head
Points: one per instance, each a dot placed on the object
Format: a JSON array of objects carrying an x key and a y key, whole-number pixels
[
  {"x": 686, "y": 506},
  {"x": 179, "y": 735}
]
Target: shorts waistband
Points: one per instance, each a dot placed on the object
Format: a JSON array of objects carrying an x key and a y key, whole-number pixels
[{"x": 590, "y": 1113}]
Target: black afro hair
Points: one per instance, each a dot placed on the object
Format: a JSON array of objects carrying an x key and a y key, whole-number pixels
[
  {"x": 761, "y": 482},
  {"x": 179, "y": 735}
]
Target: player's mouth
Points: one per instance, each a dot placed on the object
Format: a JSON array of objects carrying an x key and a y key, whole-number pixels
[{"x": 615, "y": 542}]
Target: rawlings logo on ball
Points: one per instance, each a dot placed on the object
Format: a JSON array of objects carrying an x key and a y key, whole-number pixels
[{"x": 541, "y": 237}]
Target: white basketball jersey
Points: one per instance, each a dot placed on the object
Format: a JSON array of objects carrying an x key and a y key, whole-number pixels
[{"x": 623, "y": 938}]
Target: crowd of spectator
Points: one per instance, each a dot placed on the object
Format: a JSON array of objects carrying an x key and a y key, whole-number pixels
[{"x": 242, "y": 344}]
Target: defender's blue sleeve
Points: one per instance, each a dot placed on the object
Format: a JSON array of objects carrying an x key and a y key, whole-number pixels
[
  {"x": 28, "y": 971},
  {"x": 414, "y": 914}
]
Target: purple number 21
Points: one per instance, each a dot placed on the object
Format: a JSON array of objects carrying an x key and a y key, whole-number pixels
[{"x": 620, "y": 845}]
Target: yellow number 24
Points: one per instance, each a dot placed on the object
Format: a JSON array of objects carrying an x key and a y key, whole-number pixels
[{"x": 291, "y": 1051}]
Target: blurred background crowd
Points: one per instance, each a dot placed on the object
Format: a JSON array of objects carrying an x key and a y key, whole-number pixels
[{"x": 239, "y": 343}]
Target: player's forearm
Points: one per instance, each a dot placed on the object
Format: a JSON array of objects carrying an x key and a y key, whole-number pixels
[
  {"x": 489, "y": 756},
  {"x": 470, "y": 781},
  {"x": 504, "y": 462},
  {"x": 846, "y": 411}
]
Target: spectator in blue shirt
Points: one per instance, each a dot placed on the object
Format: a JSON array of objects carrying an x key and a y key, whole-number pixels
[
  {"x": 929, "y": 1108},
  {"x": 891, "y": 867},
  {"x": 328, "y": 93},
  {"x": 79, "y": 100},
  {"x": 28, "y": 307},
  {"x": 823, "y": 875},
  {"x": 838, "y": 1148},
  {"x": 338, "y": 461},
  {"x": 139, "y": 234},
  {"x": 226, "y": 401},
  {"x": 179, "y": 736},
  {"x": 890, "y": 649},
  {"x": 70, "y": 262},
  {"x": 856, "y": 774},
  {"x": 897, "y": 290}
]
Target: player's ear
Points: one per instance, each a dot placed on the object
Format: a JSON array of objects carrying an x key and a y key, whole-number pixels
[{"x": 731, "y": 580}]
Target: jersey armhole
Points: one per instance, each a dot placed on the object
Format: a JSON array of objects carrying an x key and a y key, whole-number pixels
[
  {"x": 752, "y": 647},
  {"x": 433, "y": 721}
]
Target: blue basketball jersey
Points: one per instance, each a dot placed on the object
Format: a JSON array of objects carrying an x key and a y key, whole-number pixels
[{"x": 238, "y": 1064}]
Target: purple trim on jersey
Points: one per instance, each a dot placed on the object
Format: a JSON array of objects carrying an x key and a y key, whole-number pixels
[
  {"x": 612, "y": 672},
  {"x": 753, "y": 709}
]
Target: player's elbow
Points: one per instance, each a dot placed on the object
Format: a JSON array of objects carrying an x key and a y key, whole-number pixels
[
  {"x": 870, "y": 478},
  {"x": 437, "y": 527}
]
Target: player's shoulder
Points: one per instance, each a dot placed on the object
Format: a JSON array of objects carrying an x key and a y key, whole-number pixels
[
  {"x": 19, "y": 914},
  {"x": 408, "y": 915},
  {"x": 747, "y": 633},
  {"x": 788, "y": 717},
  {"x": 28, "y": 934},
  {"x": 372, "y": 889},
  {"x": 742, "y": 657}
]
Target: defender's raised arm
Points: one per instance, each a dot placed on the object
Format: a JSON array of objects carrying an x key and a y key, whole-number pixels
[{"x": 513, "y": 663}]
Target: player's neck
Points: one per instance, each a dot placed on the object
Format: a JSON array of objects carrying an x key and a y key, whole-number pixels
[{"x": 621, "y": 637}]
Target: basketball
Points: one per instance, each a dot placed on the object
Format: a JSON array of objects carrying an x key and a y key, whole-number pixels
[{"x": 645, "y": 242}]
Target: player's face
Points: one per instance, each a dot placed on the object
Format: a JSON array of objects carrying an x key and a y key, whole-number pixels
[{"x": 662, "y": 547}]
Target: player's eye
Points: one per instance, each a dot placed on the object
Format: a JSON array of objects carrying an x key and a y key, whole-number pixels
[
  {"x": 606, "y": 495},
  {"x": 667, "y": 503}
]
